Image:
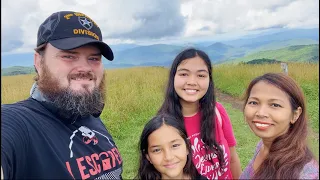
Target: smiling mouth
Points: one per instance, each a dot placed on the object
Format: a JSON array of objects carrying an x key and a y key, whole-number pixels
[
  {"x": 262, "y": 126},
  {"x": 79, "y": 79},
  {"x": 173, "y": 165}
]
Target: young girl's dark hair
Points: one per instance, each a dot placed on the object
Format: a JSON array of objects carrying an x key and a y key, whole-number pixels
[
  {"x": 146, "y": 169},
  {"x": 289, "y": 152},
  {"x": 172, "y": 106}
]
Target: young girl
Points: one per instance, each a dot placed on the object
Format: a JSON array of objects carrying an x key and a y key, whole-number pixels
[
  {"x": 165, "y": 151},
  {"x": 190, "y": 98},
  {"x": 275, "y": 111}
]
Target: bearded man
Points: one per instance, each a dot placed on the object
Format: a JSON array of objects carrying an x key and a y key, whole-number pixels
[{"x": 56, "y": 133}]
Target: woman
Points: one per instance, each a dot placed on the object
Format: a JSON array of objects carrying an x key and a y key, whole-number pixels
[{"x": 275, "y": 111}]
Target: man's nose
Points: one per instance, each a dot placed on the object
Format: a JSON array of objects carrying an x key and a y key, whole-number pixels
[{"x": 83, "y": 65}]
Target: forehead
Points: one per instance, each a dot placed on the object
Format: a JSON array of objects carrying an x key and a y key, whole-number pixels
[
  {"x": 264, "y": 89},
  {"x": 165, "y": 134},
  {"x": 195, "y": 63},
  {"x": 83, "y": 49}
]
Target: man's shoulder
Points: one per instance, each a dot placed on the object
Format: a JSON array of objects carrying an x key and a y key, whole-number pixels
[
  {"x": 18, "y": 105},
  {"x": 19, "y": 109}
]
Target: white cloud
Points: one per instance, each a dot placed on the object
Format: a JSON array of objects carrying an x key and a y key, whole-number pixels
[
  {"x": 124, "y": 21},
  {"x": 224, "y": 16}
]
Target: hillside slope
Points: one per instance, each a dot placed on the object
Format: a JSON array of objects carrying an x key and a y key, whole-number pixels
[{"x": 300, "y": 53}]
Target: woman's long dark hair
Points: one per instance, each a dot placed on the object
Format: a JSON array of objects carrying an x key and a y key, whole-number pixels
[
  {"x": 172, "y": 106},
  {"x": 146, "y": 169},
  {"x": 289, "y": 152}
]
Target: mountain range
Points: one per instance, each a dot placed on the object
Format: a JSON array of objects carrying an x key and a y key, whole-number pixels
[{"x": 302, "y": 42}]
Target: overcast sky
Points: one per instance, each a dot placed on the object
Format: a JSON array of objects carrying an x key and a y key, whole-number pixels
[{"x": 142, "y": 21}]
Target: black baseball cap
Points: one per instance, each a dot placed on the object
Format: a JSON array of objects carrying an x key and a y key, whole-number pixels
[{"x": 68, "y": 30}]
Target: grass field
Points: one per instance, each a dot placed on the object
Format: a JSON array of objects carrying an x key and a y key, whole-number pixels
[{"x": 135, "y": 94}]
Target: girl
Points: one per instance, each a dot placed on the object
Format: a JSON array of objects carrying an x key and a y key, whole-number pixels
[
  {"x": 165, "y": 151},
  {"x": 275, "y": 111},
  {"x": 190, "y": 98}
]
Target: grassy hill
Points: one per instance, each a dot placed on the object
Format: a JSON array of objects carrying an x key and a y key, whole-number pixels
[
  {"x": 300, "y": 53},
  {"x": 15, "y": 70},
  {"x": 135, "y": 94},
  {"x": 282, "y": 44}
]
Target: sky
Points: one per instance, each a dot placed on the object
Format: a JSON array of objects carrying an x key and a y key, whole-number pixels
[{"x": 157, "y": 21}]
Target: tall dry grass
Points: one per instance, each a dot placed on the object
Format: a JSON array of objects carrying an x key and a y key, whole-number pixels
[{"x": 135, "y": 94}]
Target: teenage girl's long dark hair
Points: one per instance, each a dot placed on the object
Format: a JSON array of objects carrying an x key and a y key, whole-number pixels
[{"x": 172, "y": 106}]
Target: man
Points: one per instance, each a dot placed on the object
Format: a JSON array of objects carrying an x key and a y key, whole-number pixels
[{"x": 56, "y": 133}]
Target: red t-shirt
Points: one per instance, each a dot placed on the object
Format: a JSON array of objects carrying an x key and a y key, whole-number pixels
[{"x": 224, "y": 137}]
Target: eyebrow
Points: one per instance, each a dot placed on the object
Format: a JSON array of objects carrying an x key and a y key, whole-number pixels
[
  {"x": 200, "y": 70},
  {"x": 268, "y": 100},
  {"x": 74, "y": 52},
  {"x": 170, "y": 142}
]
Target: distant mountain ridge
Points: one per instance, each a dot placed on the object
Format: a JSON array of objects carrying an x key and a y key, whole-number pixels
[{"x": 128, "y": 55}]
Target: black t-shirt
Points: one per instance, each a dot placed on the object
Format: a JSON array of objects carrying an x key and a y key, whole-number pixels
[{"x": 36, "y": 144}]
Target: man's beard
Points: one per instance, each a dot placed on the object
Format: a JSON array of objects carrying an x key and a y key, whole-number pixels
[{"x": 68, "y": 101}]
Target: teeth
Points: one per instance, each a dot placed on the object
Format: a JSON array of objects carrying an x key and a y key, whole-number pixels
[
  {"x": 80, "y": 79},
  {"x": 261, "y": 125},
  {"x": 191, "y": 90}
]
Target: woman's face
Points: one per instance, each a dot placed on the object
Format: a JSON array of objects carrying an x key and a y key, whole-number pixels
[{"x": 268, "y": 111}]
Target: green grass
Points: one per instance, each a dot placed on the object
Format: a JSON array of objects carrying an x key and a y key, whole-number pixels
[
  {"x": 135, "y": 94},
  {"x": 233, "y": 80},
  {"x": 246, "y": 140},
  {"x": 138, "y": 99}
]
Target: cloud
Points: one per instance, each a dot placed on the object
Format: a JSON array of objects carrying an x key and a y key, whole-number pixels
[
  {"x": 119, "y": 20},
  {"x": 141, "y": 21},
  {"x": 215, "y": 17},
  {"x": 144, "y": 19}
]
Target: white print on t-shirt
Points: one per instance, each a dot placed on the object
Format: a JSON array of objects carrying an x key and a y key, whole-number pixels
[
  {"x": 88, "y": 136},
  {"x": 201, "y": 158},
  {"x": 107, "y": 163}
]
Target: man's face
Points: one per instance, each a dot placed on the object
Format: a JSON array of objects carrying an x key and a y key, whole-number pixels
[
  {"x": 79, "y": 69},
  {"x": 73, "y": 79}
]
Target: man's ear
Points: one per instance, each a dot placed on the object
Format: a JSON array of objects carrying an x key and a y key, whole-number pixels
[
  {"x": 147, "y": 156},
  {"x": 296, "y": 115},
  {"x": 37, "y": 62}
]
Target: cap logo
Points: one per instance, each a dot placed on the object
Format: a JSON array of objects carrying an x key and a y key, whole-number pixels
[{"x": 85, "y": 22}]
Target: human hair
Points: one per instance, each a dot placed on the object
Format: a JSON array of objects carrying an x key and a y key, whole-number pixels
[
  {"x": 41, "y": 51},
  {"x": 172, "y": 106},
  {"x": 288, "y": 152},
  {"x": 146, "y": 169}
]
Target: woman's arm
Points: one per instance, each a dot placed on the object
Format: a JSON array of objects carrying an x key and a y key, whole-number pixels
[{"x": 235, "y": 163}]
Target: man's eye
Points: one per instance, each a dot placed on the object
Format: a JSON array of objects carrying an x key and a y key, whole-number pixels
[
  {"x": 68, "y": 57},
  {"x": 94, "y": 59}
]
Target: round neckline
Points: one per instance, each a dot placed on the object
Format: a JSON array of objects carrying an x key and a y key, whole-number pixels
[{"x": 193, "y": 115}]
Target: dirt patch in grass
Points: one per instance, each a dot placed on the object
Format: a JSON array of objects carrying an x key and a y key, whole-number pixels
[{"x": 235, "y": 102}]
